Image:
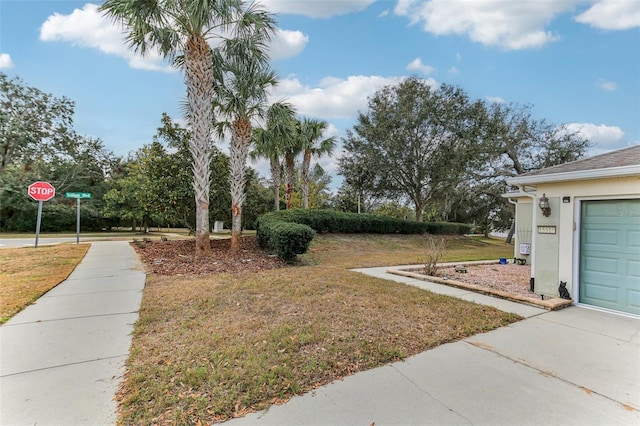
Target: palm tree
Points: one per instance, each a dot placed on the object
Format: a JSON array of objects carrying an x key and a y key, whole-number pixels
[
  {"x": 270, "y": 141},
  {"x": 312, "y": 145},
  {"x": 291, "y": 151},
  {"x": 241, "y": 95},
  {"x": 181, "y": 30}
]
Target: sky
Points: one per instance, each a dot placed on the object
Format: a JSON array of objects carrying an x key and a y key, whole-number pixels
[{"x": 577, "y": 62}]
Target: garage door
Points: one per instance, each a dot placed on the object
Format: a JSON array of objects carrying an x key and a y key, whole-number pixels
[{"x": 610, "y": 255}]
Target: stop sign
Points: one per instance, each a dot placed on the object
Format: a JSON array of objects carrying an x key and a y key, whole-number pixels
[{"x": 41, "y": 191}]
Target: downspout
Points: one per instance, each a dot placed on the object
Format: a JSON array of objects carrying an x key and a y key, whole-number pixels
[{"x": 534, "y": 227}]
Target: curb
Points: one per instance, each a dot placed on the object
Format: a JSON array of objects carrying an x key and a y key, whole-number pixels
[{"x": 549, "y": 304}]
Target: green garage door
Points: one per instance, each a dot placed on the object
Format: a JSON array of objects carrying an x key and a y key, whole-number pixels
[{"x": 610, "y": 255}]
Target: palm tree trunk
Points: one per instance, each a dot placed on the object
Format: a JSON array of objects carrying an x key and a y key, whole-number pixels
[
  {"x": 240, "y": 142},
  {"x": 275, "y": 176},
  {"x": 198, "y": 60},
  {"x": 306, "y": 163},
  {"x": 289, "y": 170}
]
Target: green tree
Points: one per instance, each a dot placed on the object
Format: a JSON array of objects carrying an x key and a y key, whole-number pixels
[
  {"x": 33, "y": 124},
  {"x": 38, "y": 142},
  {"x": 240, "y": 96},
  {"x": 409, "y": 141},
  {"x": 155, "y": 185},
  {"x": 312, "y": 145},
  {"x": 318, "y": 195},
  {"x": 258, "y": 201},
  {"x": 513, "y": 142},
  {"x": 395, "y": 209},
  {"x": 181, "y": 30},
  {"x": 125, "y": 199},
  {"x": 82, "y": 166},
  {"x": 348, "y": 199},
  {"x": 271, "y": 140}
]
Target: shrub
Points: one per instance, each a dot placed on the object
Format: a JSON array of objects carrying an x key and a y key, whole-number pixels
[
  {"x": 285, "y": 239},
  {"x": 289, "y": 241},
  {"x": 435, "y": 247}
]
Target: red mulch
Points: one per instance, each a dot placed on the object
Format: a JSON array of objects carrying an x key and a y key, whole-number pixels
[{"x": 178, "y": 257}]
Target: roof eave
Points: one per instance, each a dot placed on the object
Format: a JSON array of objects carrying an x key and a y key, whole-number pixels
[{"x": 610, "y": 172}]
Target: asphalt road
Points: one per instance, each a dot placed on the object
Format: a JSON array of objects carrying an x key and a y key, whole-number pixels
[{"x": 30, "y": 242}]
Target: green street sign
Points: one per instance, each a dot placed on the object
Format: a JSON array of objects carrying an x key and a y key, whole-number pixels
[{"x": 77, "y": 195}]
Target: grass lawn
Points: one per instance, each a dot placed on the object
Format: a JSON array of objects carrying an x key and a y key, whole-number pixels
[
  {"x": 27, "y": 273},
  {"x": 215, "y": 347}
]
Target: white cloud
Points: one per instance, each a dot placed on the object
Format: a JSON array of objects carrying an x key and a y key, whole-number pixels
[
  {"x": 333, "y": 98},
  {"x": 511, "y": 25},
  {"x": 601, "y": 136},
  {"x": 316, "y": 9},
  {"x": 417, "y": 65},
  {"x": 454, "y": 71},
  {"x": 612, "y": 15},
  {"x": 286, "y": 44},
  {"x": 5, "y": 61},
  {"x": 607, "y": 85},
  {"x": 496, "y": 99},
  {"x": 384, "y": 13},
  {"x": 87, "y": 27},
  {"x": 403, "y": 7}
]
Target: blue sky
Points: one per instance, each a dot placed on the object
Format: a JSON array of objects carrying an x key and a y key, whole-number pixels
[{"x": 576, "y": 61}]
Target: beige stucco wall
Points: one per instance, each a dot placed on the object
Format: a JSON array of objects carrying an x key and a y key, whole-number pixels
[
  {"x": 547, "y": 249},
  {"x": 556, "y": 255}
]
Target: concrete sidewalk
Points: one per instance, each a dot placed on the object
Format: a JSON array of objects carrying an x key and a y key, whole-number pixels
[
  {"x": 61, "y": 359},
  {"x": 570, "y": 367}
]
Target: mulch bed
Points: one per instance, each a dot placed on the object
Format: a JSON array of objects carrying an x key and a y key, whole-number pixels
[{"x": 178, "y": 257}]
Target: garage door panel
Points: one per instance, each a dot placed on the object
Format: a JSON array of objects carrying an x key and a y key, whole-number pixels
[
  {"x": 633, "y": 297},
  {"x": 602, "y": 239},
  {"x": 610, "y": 254},
  {"x": 601, "y": 264},
  {"x": 633, "y": 269},
  {"x": 602, "y": 293}
]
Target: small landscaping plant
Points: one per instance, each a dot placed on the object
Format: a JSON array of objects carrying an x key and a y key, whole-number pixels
[{"x": 435, "y": 249}]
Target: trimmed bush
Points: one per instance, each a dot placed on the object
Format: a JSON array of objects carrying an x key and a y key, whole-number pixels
[
  {"x": 288, "y": 233},
  {"x": 285, "y": 239}
]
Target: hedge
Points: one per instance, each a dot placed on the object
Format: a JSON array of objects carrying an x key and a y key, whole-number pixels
[{"x": 288, "y": 233}]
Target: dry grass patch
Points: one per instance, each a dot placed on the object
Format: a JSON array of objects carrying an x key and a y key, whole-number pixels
[
  {"x": 370, "y": 250},
  {"x": 215, "y": 347},
  {"x": 27, "y": 273}
]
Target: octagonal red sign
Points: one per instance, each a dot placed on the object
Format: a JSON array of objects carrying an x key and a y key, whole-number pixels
[{"x": 42, "y": 191}]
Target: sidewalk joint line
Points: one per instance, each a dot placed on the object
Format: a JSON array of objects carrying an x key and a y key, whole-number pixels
[
  {"x": 54, "y": 296},
  {"x": 424, "y": 391},
  {"x": 64, "y": 365},
  {"x": 70, "y": 318},
  {"x": 549, "y": 374}
]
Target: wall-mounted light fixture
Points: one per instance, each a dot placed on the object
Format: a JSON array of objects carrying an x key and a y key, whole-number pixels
[{"x": 544, "y": 205}]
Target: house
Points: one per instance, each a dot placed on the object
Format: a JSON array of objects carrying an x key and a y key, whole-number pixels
[{"x": 579, "y": 223}]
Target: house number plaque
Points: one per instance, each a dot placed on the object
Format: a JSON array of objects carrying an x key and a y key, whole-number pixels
[{"x": 546, "y": 229}]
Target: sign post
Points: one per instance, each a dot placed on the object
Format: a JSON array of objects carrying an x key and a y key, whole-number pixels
[
  {"x": 77, "y": 196},
  {"x": 40, "y": 191}
]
